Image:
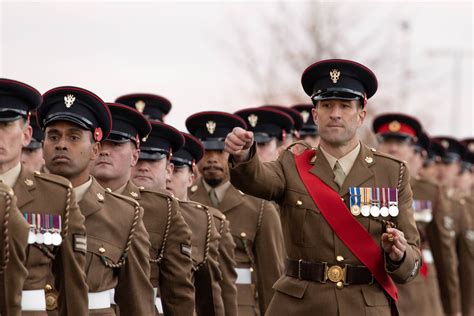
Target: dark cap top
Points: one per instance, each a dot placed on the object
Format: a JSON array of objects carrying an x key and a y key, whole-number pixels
[
  {"x": 153, "y": 106},
  {"x": 17, "y": 99},
  {"x": 266, "y": 123},
  {"x": 468, "y": 156},
  {"x": 162, "y": 142},
  {"x": 127, "y": 124},
  {"x": 211, "y": 128},
  {"x": 295, "y": 116},
  {"x": 454, "y": 150},
  {"x": 309, "y": 127},
  {"x": 78, "y": 106},
  {"x": 339, "y": 79},
  {"x": 396, "y": 125},
  {"x": 190, "y": 153},
  {"x": 38, "y": 134},
  {"x": 423, "y": 142}
]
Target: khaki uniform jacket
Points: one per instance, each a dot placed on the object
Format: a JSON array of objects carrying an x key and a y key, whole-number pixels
[
  {"x": 115, "y": 231},
  {"x": 256, "y": 229},
  {"x": 13, "y": 243},
  {"x": 205, "y": 242},
  {"x": 466, "y": 257},
  {"x": 170, "y": 239},
  {"x": 444, "y": 234},
  {"x": 309, "y": 237},
  {"x": 51, "y": 194},
  {"x": 422, "y": 296}
]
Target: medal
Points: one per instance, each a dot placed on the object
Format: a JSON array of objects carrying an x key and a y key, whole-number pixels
[
  {"x": 56, "y": 239},
  {"x": 39, "y": 238},
  {"x": 355, "y": 210},
  {"x": 393, "y": 201},
  {"x": 31, "y": 237},
  {"x": 365, "y": 210},
  {"x": 384, "y": 203},
  {"x": 48, "y": 238},
  {"x": 355, "y": 195},
  {"x": 374, "y": 209}
]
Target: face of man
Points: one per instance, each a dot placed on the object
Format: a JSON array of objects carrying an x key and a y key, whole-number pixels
[
  {"x": 268, "y": 151},
  {"x": 114, "y": 164},
  {"x": 181, "y": 179},
  {"x": 399, "y": 148},
  {"x": 462, "y": 183},
  {"x": 430, "y": 172},
  {"x": 13, "y": 137},
  {"x": 69, "y": 151},
  {"x": 152, "y": 174},
  {"x": 338, "y": 121},
  {"x": 447, "y": 173},
  {"x": 32, "y": 159},
  {"x": 213, "y": 167},
  {"x": 416, "y": 162}
]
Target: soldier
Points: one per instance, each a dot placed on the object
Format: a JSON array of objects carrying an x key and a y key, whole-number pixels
[
  {"x": 292, "y": 134},
  {"x": 153, "y": 106},
  {"x": 210, "y": 296},
  {"x": 32, "y": 154},
  {"x": 170, "y": 267},
  {"x": 340, "y": 262},
  {"x": 401, "y": 136},
  {"x": 432, "y": 162},
  {"x": 309, "y": 131},
  {"x": 13, "y": 243},
  {"x": 269, "y": 127},
  {"x": 57, "y": 234},
  {"x": 254, "y": 223},
  {"x": 75, "y": 121}
]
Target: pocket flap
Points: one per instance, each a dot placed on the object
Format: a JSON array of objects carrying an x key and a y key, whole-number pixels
[
  {"x": 374, "y": 296},
  {"x": 100, "y": 248},
  {"x": 291, "y": 286}
]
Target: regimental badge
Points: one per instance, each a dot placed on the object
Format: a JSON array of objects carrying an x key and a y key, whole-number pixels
[
  {"x": 98, "y": 134},
  {"x": 369, "y": 159},
  {"x": 470, "y": 147},
  {"x": 305, "y": 115},
  {"x": 69, "y": 100},
  {"x": 140, "y": 106},
  {"x": 394, "y": 126},
  {"x": 445, "y": 143},
  {"x": 334, "y": 74},
  {"x": 253, "y": 119},
  {"x": 211, "y": 127}
]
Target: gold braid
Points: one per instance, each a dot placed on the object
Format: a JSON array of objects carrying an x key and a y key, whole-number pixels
[
  {"x": 6, "y": 249},
  {"x": 161, "y": 255},
  {"x": 400, "y": 178},
  {"x": 208, "y": 241},
  {"x": 66, "y": 214}
]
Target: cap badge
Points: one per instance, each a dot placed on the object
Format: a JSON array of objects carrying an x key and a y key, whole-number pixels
[
  {"x": 98, "y": 134},
  {"x": 369, "y": 159},
  {"x": 253, "y": 119},
  {"x": 394, "y": 126},
  {"x": 445, "y": 143},
  {"x": 69, "y": 100},
  {"x": 470, "y": 147},
  {"x": 305, "y": 115},
  {"x": 140, "y": 105},
  {"x": 211, "y": 127},
  {"x": 334, "y": 74}
]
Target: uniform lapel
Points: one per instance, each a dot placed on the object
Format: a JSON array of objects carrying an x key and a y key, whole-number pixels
[
  {"x": 322, "y": 170},
  {"x": 231, "y": 199},
  {"x": 131, "y": 190},
  {"x": 361, "y": 170},
  {"x": 200, "y": 194},
  {"x": 22, "y": 191},
  {"x": 90, "y": 202}
]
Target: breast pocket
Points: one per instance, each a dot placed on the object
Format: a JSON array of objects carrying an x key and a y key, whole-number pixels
[
  {"x": 304, "y": 220},
  {"x": 99, "y": 253}
]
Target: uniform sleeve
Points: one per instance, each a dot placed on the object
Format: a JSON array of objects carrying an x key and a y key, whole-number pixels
[
  {"x": 15, "y": 272},
  {"x": 269, "y": 252},
  {"x": 134, "y": 292},
  {"x": 176, "y": 286},
  {"x": 229, "y": 275},
  {"x": 408, "y": 269},
  {"x": 68, "y": 267},
  {"x": 263, "y": 180},
  {"x": 443, "y": 232}
]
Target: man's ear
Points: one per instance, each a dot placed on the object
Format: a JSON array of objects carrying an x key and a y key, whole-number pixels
[
  {"x": 314, "y": 113},
  {"x": 362, "y": 114},
  {"x": 27, "y": 134},
  {"x": 96, "y": 147},
  {"x": 135, "y": 155}
]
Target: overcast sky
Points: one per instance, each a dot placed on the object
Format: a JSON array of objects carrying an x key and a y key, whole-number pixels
[{"x": 173, "y": 49}]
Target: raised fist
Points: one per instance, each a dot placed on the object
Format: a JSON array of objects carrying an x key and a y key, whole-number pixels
[{"x": 238, "y": 143}]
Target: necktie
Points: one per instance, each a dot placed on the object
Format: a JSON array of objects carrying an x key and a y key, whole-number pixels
[
  {"x": 213, "y": 197},
  {"x": 339, "y": 174}
]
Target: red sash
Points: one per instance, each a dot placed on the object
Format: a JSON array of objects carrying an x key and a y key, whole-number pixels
[{"x": 346, "y": 227}]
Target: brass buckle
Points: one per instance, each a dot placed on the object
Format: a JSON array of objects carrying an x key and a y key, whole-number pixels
[{"x": 336, "y": 273}]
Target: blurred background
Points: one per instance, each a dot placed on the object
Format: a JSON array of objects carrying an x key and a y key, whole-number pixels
[{"x": 228, "y": 55}]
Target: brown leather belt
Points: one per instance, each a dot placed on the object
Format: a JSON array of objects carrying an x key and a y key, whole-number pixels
[{"x": 322, "y": 271}]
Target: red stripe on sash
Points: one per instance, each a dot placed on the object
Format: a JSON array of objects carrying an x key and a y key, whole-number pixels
[{"x": 346, "y": 227}]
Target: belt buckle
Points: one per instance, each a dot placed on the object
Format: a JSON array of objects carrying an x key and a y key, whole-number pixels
[{"x": 336, "y": 273}]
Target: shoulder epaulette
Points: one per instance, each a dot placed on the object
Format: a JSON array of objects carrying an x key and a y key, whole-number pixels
[
  {"x": 300, "y": 142},
  {"x": 123, "y": 197},
  {"x": 195, "y": 204},
  {"x": 53, "y": 178},
  {"x": 381, "y": 154}
]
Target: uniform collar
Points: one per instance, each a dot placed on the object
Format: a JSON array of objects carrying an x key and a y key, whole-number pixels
[
  {"x": 346, "y": 162},
  {"x": 81, "y": 190},
  {"x": 220, "y": 190},
  {"x": 11, "y": 176}
]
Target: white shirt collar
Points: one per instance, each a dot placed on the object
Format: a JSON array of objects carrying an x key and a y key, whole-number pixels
[
  {"x": 81, "y": 190},
  {"x": 11, "y": 176},
  {"x": 346, "y": 162},
  {"x": 220, "y": 190}
]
